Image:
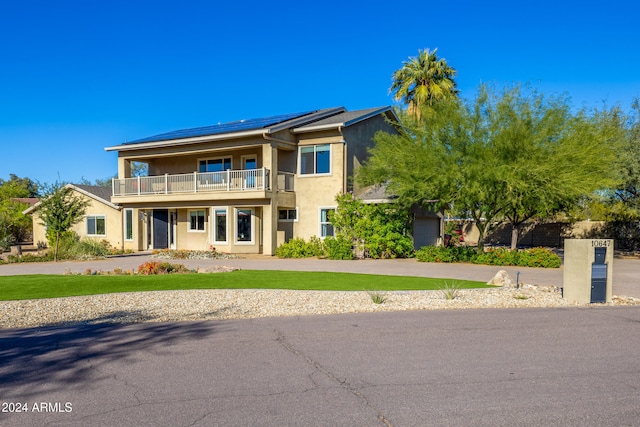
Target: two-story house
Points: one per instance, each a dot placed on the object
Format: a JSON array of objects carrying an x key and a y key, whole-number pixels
[{"x": 246, "y": 186}]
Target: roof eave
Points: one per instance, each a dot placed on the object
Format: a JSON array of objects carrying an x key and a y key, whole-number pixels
[
  {"x": 184, "y": 141},
  {"x": 317, "y": 128}
]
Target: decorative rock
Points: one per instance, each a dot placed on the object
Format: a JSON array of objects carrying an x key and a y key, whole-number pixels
[{"x": 502, "y": 279}]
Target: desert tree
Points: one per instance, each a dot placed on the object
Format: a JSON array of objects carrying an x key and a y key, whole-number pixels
[{"x": 59, "y": 210}]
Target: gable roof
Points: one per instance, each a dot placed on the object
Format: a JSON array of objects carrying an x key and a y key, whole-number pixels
[
  {"x": 96, "y": 192},
  {"x": 258, "y": 126},
  {"x": 29, "y": 200},
  {"x": 344, "y": 119}
]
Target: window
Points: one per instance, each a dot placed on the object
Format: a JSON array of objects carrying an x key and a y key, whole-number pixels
[
  {"x": 220, "y": 226},
  {"x": 215, "y": 165},
  {"x": 288, "y": 215},
  {"x": 315, "y": 159},
  {"x": 244, "y": 231},
  {"x": 326, "y": 228},
  {"x": 196, "y": 220},
  {"x": 128, "y": 224},
  {"x": 96, "y": 225}
]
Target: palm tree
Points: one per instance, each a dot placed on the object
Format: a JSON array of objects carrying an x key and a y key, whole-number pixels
[{"x": 423, "y": 80}]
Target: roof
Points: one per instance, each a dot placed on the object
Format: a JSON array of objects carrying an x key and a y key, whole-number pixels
[
  {"x": 263, "y": 124},
  {"x": 96, "y": 192},
  {"x": 344, "y": 119},
  {"x": 327, "y": 118},
  {"x": 377, "y": 194},
  {"x": 28, "y": 200}
]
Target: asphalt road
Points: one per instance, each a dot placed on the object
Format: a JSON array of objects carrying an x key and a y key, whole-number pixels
[{"x": 538, "y": 367}]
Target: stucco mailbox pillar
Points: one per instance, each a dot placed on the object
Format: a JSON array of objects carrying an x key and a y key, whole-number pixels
[{"x": 588, "y": 270}]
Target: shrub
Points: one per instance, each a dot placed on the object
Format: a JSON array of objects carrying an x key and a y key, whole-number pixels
[
  {"x": 377, "y": 297},
  {"x": 445, "y": 254},
  {"x": 338, "y": 248},
  {"x": 91, "y": 248},
  {"x": 157, "y": 267},
  {"x": 450, "y": 290},
  {"x": 299, "y": 248},
  {"x": 536, "y": 257}
]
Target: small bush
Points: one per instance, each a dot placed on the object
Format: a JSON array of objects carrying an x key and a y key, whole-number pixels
[
  {"x": 450, "y": 290},
  {"x": 536, "y": 257},
  {"x": 91, "y": 248},
  {"x": 377, "y": 297},
  {"x": 299, "y": 248},
  {"x": 157, "y": 267},
  {"x": 445, "y": 254},
  {"x": 338, "y": 248}
]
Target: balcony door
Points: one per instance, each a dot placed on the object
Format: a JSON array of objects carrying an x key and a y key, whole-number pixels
[{"x": 250, "y": 166}]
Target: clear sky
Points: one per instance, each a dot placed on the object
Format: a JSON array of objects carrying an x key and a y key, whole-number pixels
[{"x": 78, "y": 76}]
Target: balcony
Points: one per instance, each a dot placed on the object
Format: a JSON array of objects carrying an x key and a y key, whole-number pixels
[{"x": 190, "y": 184}]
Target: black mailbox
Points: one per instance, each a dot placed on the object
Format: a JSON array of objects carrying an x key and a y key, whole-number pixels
[{"x": 599, "y": 276}]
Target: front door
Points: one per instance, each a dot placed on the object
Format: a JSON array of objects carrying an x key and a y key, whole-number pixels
[{"x": 160, "y": 229}]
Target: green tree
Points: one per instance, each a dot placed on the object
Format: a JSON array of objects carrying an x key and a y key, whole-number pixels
[
  {"x": 625, "y": 198},
  {"x": 509, "y": 156},
  {"x": 375, "y": 230},
  {"x": 14, "y": 225},
  {"x": 423, "y": 80},
  {"x": 28, "y": 187},
  {"x": 59, "y": 210}
]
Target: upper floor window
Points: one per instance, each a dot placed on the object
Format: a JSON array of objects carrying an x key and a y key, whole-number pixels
[
  {"x": 96, "y": 225},
  {"x": 215, "y": 165},
  {"x": 315, "y": 159}
]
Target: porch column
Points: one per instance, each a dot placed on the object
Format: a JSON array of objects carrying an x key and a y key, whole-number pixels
[
  {"x": 270, "y": 210},
  {"x": 124, "y": 168}
]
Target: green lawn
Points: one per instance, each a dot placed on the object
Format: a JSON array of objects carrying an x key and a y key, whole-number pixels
[{"x": 54, "y": 286}]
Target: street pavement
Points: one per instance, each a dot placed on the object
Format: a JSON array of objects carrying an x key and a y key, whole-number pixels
[
  {"x": 490, "y": 367},
  {"x": 626, "y": 272}
]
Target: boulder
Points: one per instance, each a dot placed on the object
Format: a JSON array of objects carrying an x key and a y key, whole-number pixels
[{"x": 502, "y": 279}]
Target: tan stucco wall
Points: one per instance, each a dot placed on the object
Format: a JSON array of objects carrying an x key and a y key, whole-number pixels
[
  {"x": 359, "y": 137},
  {"x": 113, "y": 223},
  {"x": 316, "y": 191}
]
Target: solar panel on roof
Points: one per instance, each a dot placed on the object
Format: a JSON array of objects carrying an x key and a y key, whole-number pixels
[{"x": 237, "y": 126}]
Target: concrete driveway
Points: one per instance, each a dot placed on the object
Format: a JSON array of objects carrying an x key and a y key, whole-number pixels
[{"x": 626, "y": 272}]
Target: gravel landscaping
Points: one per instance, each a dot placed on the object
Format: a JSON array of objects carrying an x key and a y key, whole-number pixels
[{"x": 225, "y": 304}]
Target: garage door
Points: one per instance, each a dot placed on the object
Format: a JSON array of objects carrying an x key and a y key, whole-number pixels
[{"x": 426, "y": 231}]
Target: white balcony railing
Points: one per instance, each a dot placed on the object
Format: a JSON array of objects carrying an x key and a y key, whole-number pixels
[{"x": 196, "y": 182}]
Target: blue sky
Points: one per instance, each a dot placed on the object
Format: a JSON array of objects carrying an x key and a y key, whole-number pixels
[{"x": 78, "y": 76}]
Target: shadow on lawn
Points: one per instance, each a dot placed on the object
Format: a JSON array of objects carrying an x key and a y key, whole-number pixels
[{"x": 54, "y": 358}]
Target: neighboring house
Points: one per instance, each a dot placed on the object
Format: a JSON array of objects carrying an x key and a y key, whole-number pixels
[
  {"x": 102, "y": 220},
  {"x": 246, "y": 186}
]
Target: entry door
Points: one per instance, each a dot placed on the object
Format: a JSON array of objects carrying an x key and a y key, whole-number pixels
[{"x": 160, "y": 229}]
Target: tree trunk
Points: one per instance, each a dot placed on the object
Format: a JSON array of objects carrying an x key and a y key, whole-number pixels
[
  {"x": 515, "y": 232},
  {"x": 55, "y": 252}
]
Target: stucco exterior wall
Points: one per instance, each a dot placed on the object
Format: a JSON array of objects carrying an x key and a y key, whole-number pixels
[
  {"x": 359, "y": 138},
  {"x": 113, "y": 223},
  {"x": 318, "y": 191}
]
